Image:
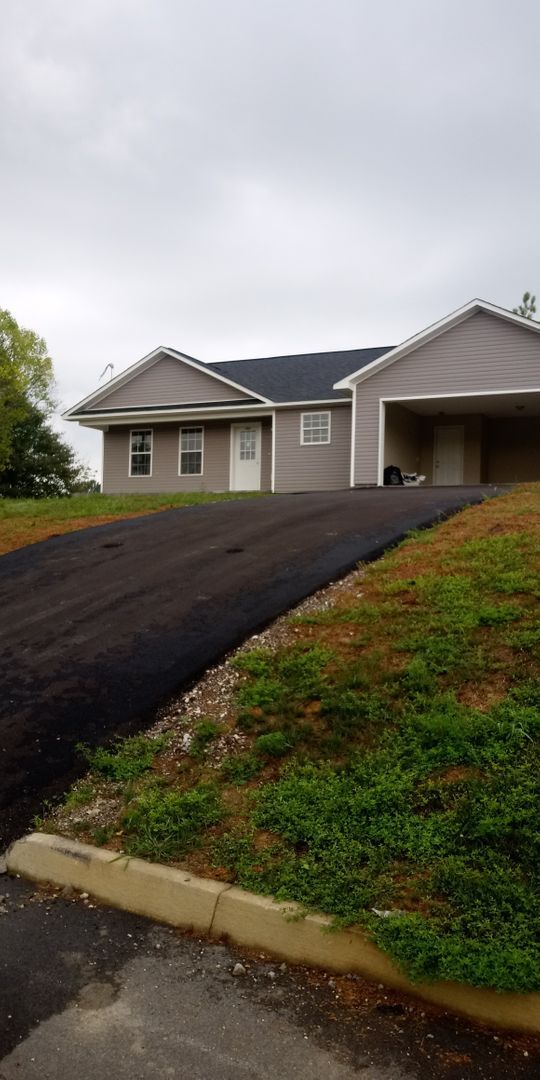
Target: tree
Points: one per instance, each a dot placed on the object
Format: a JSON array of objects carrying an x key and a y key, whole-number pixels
[
  {"x": 34, "y": 460},
  {"x": 40, "y": 464},
  {"x": 26, "y": 378},
  {"x": 527, "y": 308}
]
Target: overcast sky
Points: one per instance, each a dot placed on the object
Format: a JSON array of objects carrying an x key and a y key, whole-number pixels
[{"x": 259, "y": 177}]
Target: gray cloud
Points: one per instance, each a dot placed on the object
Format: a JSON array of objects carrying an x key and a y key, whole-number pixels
[{"x": 261, "y": 176}]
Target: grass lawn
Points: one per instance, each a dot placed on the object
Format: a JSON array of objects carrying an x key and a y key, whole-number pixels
[
  {"x": 382, "y": 764},
  {"x": 25, "y": 521}
]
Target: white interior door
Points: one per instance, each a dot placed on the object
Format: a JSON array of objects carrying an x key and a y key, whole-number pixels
[
  {"x": 245, "y": 457},
  {"x": 448, "y": 448}
]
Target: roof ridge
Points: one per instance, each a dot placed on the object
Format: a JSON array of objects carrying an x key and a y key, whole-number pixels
[{"x": 297, "y": 356}]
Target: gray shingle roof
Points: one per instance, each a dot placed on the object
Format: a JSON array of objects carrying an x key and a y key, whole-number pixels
[
  {"x": 305, "y": 377},
  {"x": 302, "y": 377}
]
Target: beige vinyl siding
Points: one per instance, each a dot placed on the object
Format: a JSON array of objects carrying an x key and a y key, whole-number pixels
[
  {"x": 402, "y": 439},
  {"x": 512, "y": 451},
  {"x": 473, "y": 426},
  {"x": 321, "y": 467},
  {"x": 169, "y": 382},
  {"x": 482, "y": 353},
  {"x": 266, "y": 454},
  {"x": 165, "y": 460},
  {"x": 166, "y": 442}
]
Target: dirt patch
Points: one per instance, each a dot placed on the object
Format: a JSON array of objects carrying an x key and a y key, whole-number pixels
[
  {"x": 18, "y": 533},
  {"x": 483, "y": 695}
]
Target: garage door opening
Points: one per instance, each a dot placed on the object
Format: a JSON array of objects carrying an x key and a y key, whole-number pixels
[{"x": 476, "y": 439}]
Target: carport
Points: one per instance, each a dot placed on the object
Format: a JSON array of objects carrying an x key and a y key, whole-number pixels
[{"x": 463, "y": 438}]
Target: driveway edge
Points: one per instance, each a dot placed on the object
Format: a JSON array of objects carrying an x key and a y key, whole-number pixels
[{"x": 223, "y": 911}]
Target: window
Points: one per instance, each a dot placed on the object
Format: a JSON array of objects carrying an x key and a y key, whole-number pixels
[
  {"x": 140, "y": 453},
  {"x": 248, "y": 444},
  {"x": 191, "y": 451},
  {"x": 315, "y": 428}
]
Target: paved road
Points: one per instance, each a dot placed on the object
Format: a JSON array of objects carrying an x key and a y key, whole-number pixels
[
  {"x": 89, "y": 992},
  {"x": 98, "y": 627}
]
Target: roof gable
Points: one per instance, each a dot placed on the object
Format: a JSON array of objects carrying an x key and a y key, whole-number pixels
[
  {"x": 164, "y": 377},
  {"x": 435, "y": 330}
]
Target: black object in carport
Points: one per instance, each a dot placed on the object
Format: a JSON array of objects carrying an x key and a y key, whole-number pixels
[{"x": 393, "y": 475}]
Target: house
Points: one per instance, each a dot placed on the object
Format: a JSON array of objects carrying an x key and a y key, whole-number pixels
[{"x": 459, "y": 401}]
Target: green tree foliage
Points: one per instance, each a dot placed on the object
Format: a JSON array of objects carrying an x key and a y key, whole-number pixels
[
  {"x": 40, "y": 464},
  {"x": 34, "y": 460},
  {"x": 527, "y": 308},
  {"x": 26, "y": 378}
]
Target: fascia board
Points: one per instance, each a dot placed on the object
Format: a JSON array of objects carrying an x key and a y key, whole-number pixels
[
  {"x": 219, "y": 410},
  {"x": 174, "y": 416}
]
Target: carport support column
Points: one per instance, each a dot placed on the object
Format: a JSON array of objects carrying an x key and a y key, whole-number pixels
[
  {"x": 382, "y": 434},
  {"x": 273, "y": 463},
  {"x": 353, "y": 436}
]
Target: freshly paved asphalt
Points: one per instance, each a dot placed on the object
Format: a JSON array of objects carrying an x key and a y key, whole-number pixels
[
  {"x": 87, "y": 992},
  {"x": 100, "y": 626}
]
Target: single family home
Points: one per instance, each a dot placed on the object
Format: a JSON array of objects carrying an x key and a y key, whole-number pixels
[{"x": 459, "y": 402}]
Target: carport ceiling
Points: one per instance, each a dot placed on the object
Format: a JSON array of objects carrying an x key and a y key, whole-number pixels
[{"x": 518, "y": 404}]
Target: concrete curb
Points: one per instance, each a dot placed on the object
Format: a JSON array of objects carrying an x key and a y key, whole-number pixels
[
  {"x": 159, "y": 892},
  {"x": 224, "y": 911}
]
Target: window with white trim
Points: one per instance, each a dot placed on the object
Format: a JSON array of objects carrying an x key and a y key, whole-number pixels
[
  {"x": 140, "y": 452},
  {"x": 315, "y": 428},
  {"x": 248, "y": 444},
  {"x": 191, "y": 451}
]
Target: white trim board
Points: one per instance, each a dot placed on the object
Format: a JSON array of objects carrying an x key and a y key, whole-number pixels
[
  {"x": 353, "y": 437},
  {"x": 382, "y": 439},
  {"x": 460, "y": 394},
  {"x": 91, "y": 419},
  {"x": 433, "y": 331},
  {"x": 273, "y": 461},
  {"x": 176, "y": 416}
]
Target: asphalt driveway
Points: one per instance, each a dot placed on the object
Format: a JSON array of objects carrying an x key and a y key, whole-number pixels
[{"x": 98, "y": 627}]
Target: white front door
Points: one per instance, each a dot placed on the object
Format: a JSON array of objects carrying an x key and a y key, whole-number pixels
[
  {"x": 448, "y": 447},
  {"x": 245, "y": 457}
]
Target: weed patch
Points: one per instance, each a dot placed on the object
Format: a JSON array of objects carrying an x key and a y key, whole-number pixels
[
  {"x": 241, "y": 768},
  {"x": 203, "y": 734},
  {"x": 162, "y": 823},
  {"x": 127, "y": 760}
]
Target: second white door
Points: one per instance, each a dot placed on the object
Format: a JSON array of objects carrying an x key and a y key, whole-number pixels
[{"x": 448, "y": 447}]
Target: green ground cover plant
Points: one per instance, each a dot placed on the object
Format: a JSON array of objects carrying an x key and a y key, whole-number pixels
[
  {"x": 203, "y": 734},
  {"x": 388, "y": 773},
  {"x": 162, "y": 823},
  {"x": 127, "y": 759}
]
